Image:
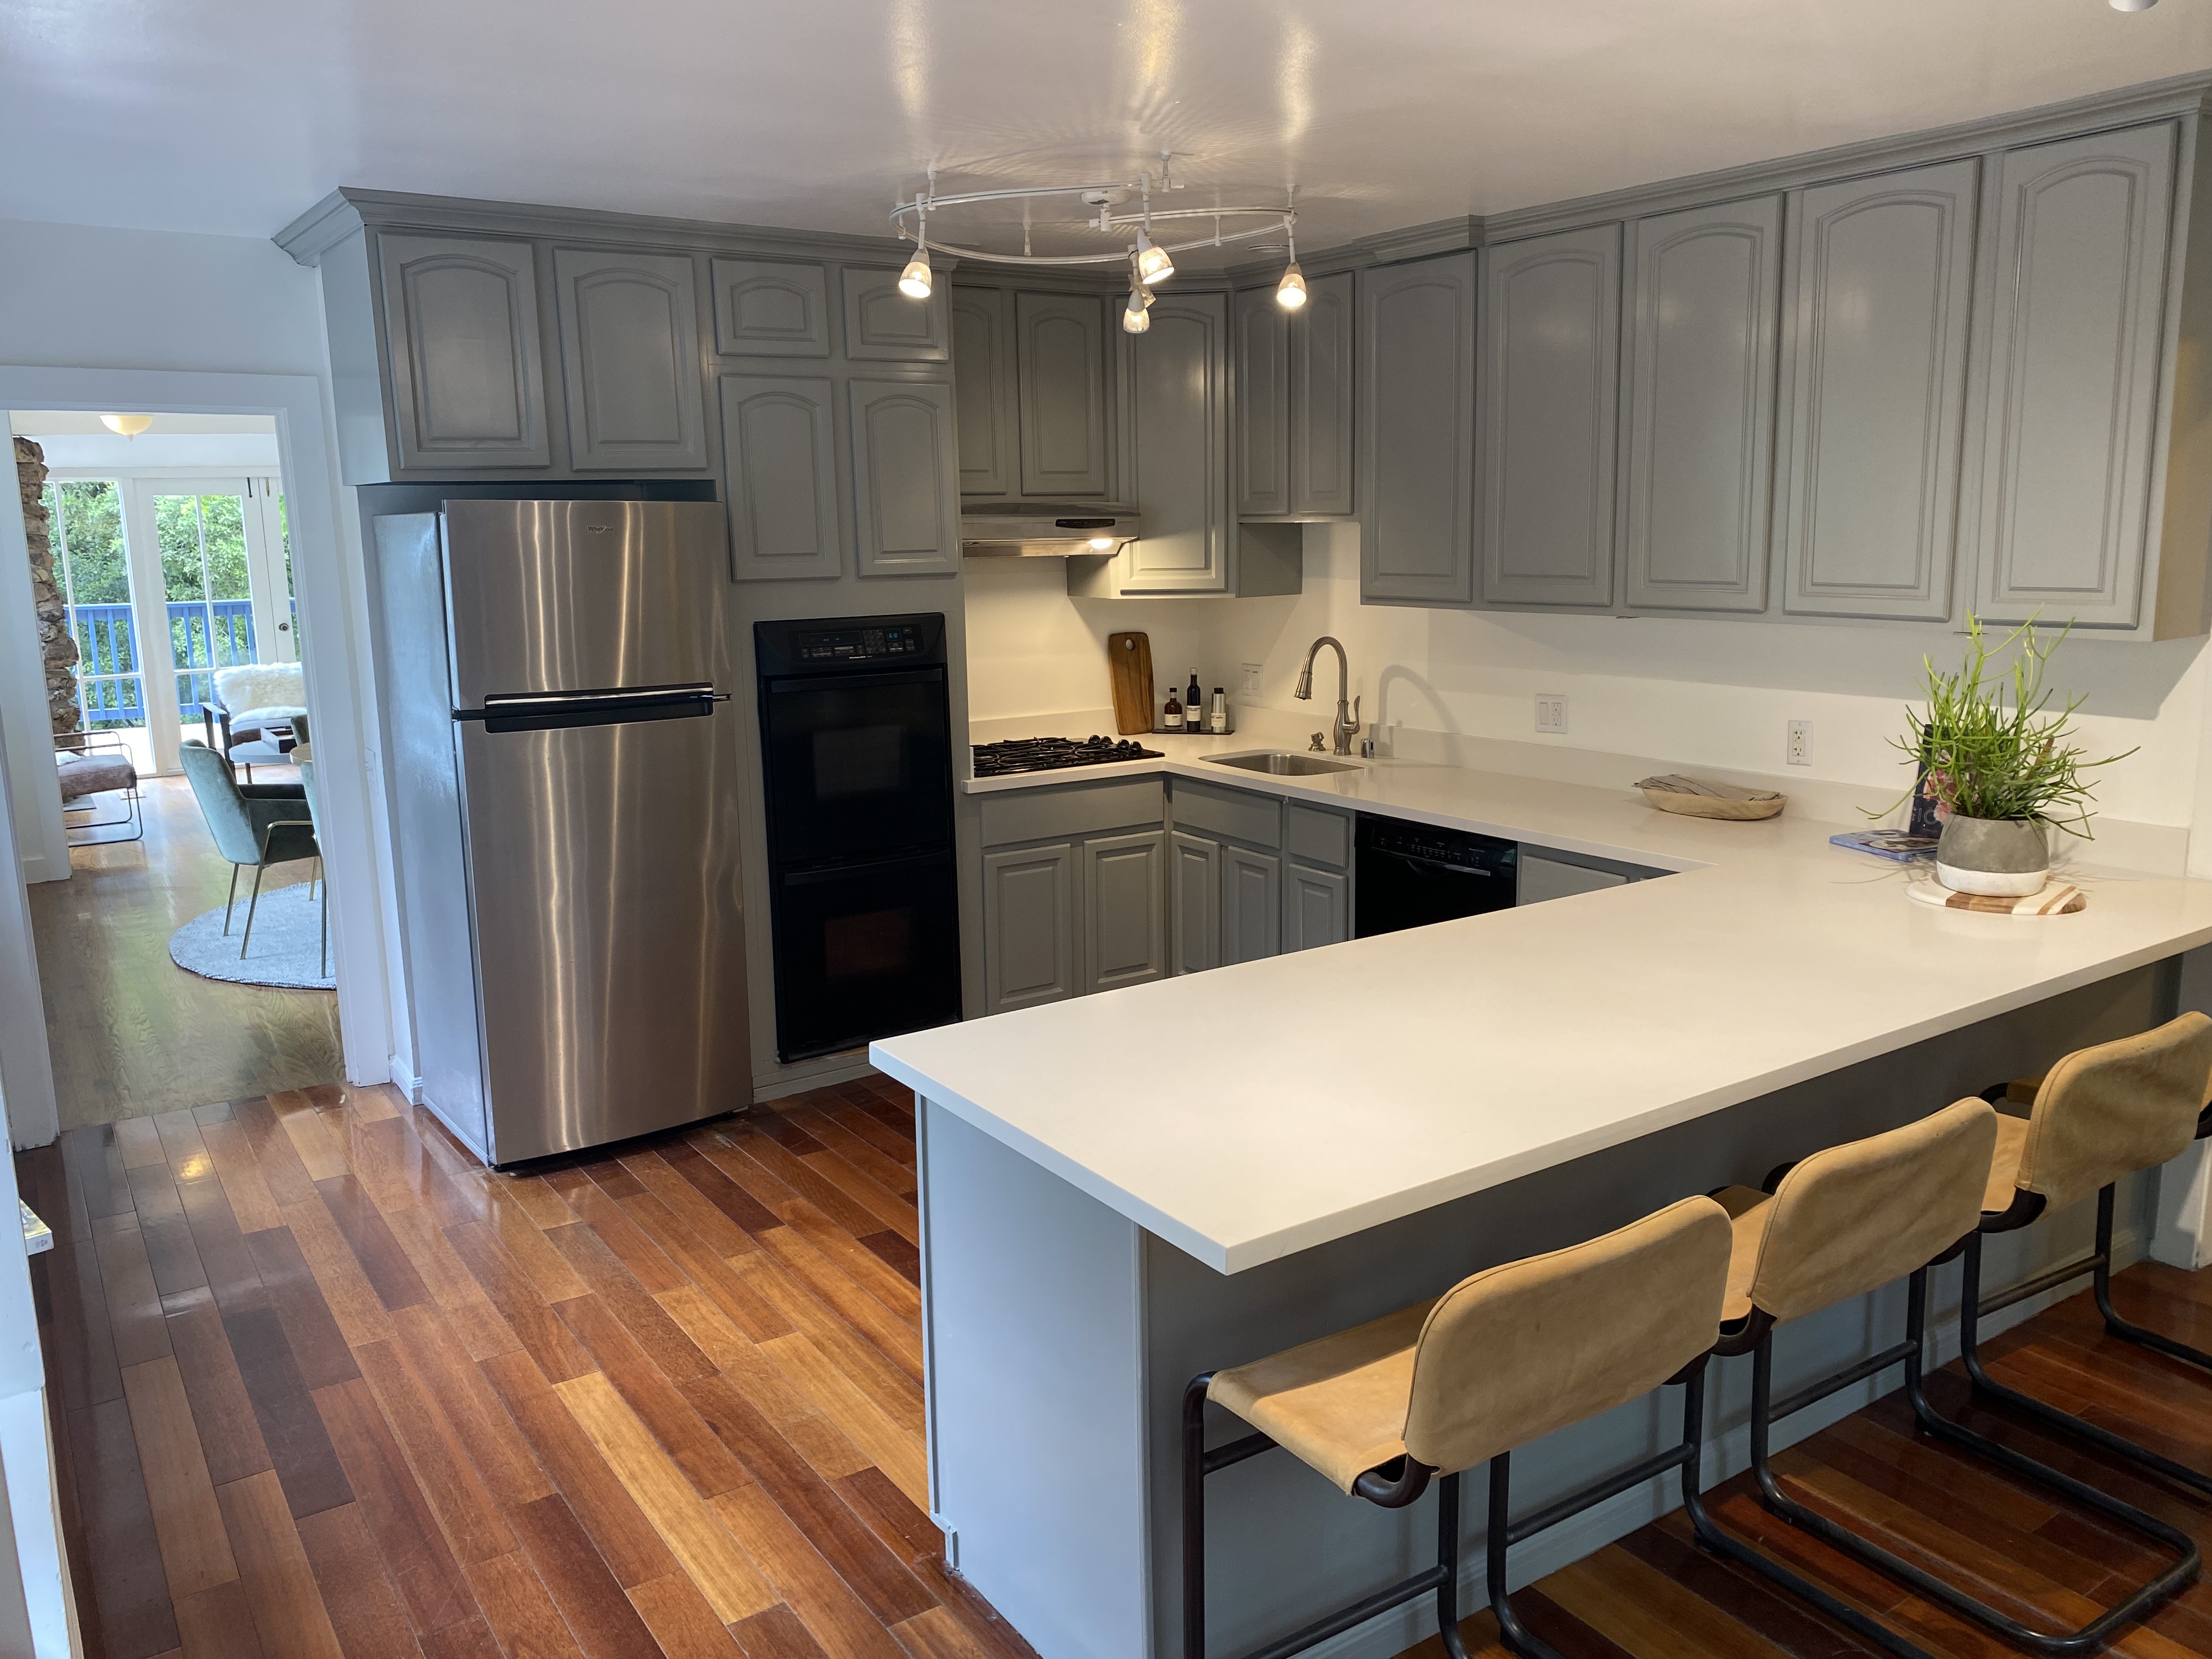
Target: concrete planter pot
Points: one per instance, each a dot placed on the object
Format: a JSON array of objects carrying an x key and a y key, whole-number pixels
[{"x": 2007, "y": 857}]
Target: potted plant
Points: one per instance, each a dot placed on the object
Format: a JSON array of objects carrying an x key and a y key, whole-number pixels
[{"x": 2001, "y": 765}]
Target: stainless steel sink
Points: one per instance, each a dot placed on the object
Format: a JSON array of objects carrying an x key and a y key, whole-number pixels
[{"x": 1284, "y": 762}]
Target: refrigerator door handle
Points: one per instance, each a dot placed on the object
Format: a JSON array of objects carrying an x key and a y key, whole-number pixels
[{"x": 539, "y": 711}]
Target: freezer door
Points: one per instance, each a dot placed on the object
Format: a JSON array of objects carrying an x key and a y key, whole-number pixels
[
  {"x": 581, "y": 596},
  {"x": 609, "y": 928}
]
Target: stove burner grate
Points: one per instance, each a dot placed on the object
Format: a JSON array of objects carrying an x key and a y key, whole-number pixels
[{"x": 1049, "y": 754}]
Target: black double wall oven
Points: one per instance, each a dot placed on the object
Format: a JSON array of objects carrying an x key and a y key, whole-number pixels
[{"x": 856, "y": 752}]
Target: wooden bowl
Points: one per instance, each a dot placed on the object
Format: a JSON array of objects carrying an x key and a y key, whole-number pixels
[{"x": 1715, "y": 806}]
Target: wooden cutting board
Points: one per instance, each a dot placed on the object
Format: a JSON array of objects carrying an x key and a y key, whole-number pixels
[{"x": 1129, "y": 665}]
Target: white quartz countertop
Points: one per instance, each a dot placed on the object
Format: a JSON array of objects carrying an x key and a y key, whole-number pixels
[{"x": 1334, "y": 1090}]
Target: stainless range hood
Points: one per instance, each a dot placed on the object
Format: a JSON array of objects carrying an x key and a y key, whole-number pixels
[{"x": 1032, "y": 530}]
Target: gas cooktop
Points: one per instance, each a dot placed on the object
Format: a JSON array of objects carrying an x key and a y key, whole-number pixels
[{"x": 1047, "y": 754}]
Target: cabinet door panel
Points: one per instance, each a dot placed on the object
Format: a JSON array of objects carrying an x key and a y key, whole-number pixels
[
  {"x": 1701, "y": 406},
  {"x": 905, "y": 492},
  {"x": 2074, "y": 364},
  {"x": 1060, "y": 356},
  {"x": 1880, "y": 273},
  {"x": 771, "y": 308},
  {"x": 1178, "y": 373},
  {"x": 779, "y": 448},
  {"x": 1316, "y": 907},
  {"x": 1029, "y": 926},
  {"x": 1263, "y": 403},
  {"x": 1551, "y": 408},
  {"x": 1124, "y": 909},
  {"x": 884, "y": 326},
  {"x": 1416, "y": 431},
  {"x": 1321, "y": 395},
  {"x": 983, "y": 392},
  {"x": 1195, "y": 925},
  {"x": 1251, "y": 905},
  {"x": 464, "y": 364},
  {"x": 629, "y": 351}
]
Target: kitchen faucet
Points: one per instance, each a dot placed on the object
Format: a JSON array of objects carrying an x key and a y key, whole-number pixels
[{"x": 1347, "y": 716}]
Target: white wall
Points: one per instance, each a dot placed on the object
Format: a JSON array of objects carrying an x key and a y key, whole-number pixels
[{"x": 1713, "y": 694}]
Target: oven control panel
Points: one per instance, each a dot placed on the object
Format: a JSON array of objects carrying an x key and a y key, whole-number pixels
[
  {"x": 841, "y": 643},
  {"x": 860, "y": 644}
]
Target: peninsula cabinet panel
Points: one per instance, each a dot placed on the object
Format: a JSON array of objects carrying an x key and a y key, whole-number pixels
[
  {"x": 1879, "y": 277},
  {"x": 2075, "y": 346},
  {"x": 1416, "y": 431},
  {"x": 1321, "y": 396},
  {"x": 1260, "y": 331},
  {"x": 884, "y": 326},
  {"x": 1125, "y": 879},
  {"x": 1701, "y": 406},
  {"x": 771, "y": 308},
  {"x": 1251, "y": 905},
  {"x": 1551, "y": 408},
  {"x": 1029, "y": 926},
  {"x": 780, "y": 457},
  {"x": 1316, "y": 908},
  {"x": 905, "y": 490},
  {"x": 1179, "y": 474},
  {"x": 1194, "y": 922},
  {"x": 629, "y": 351},
  {"x": 1060, "y": 356},
  {"x": 983, "y": 392},
  {"x": 463, "y": 356}
]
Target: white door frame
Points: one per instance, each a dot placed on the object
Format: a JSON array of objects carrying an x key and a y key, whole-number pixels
[{"x": 328, "y": 571}]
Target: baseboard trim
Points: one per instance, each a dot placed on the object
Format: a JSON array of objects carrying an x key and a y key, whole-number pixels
[
  {"x": 406, "y": 1081},
  {"x": 810, "y": 1074}
]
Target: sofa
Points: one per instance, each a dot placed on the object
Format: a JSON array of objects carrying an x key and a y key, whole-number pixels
[{"x": 249, "y": 719}]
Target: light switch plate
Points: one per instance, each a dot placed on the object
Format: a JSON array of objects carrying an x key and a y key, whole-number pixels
[
  {"x": 1551, "y": 711},
  {"x": 1251, "y": 672}
]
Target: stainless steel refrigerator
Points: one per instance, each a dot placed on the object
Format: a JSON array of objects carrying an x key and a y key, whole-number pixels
[{"x": 563, "y": 773}]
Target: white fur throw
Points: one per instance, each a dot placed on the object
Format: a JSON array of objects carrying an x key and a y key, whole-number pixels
[{"x": 266, "y": 685}]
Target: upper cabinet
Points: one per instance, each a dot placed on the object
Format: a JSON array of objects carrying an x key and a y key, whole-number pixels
[
  {"x": 771, "y": 308},
  {"x": 1551, "y": 407},
  {"x": 906, "y": 485},
  {"x": 2075, "y": 338},
  {"x": 1416, "y": 360},
  {"x": 463, "y": 360},
  {"x": 1700, "y": 409},
  {"x": 780, "y": 461},
  {"x": 1059, "y": 358},
  {"x": 884, "y": 326},
  {"x": 629, "y": 355},
  {"x": 1179, "y": 385},
  {"x": 1294, "y": 392},
  {"x": 983, "y": 392},
  {"x": 1261, "y": 440},
  {"x": 1880, "y": 272}
]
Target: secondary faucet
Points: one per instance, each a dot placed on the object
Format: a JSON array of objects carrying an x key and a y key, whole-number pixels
[{"x": 1347, "y": 715}]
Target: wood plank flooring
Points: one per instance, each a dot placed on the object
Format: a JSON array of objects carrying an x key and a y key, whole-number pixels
[
  {"x": 132, "y": 1033},
  {"x": 323, "y": 1386}
]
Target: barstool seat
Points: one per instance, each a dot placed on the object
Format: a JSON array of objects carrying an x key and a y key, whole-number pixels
[{"x": 1338, "y": 1404}]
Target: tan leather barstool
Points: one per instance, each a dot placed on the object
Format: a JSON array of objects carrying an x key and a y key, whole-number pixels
[
  {"x": 2097, "y": 1114},
  {"x": 1842, "y": 1224},
  {"x": 1499, "y": 1359}
]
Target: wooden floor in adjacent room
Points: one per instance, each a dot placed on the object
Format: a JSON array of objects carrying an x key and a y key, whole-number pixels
[
  {"x": 322, "y": 1387},
  {"x": 133, "y": 1033}
]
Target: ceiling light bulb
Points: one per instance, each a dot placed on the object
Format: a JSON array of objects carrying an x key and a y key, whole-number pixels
[
  {"x": 1135, "y": 318},
  {"x": 1153, "y": 264},
  {"x": 2133, "y": 5},
  {"x": 913, "y": 281},
  {"x": 1291, "y": 292},
  {"x": 1101, "y": 544},
  {"x": 128, "y": 426}
]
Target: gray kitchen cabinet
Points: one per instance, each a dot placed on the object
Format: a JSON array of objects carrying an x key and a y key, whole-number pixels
[
  {"x": 1293, "y": 401},
  {"x": 1316, "y": 907},
  {"x": 1551, "y": 407},
  {"x": 1194, "y": 910},
  {"x": 630, "y": 357},
  {"x": 1251, "y": 904},
  {"x": 1260, "y": 331},
  {"x": 906, "y": 488},
  {"x": 1060, "y": 373},
  {"x": 1543, "y": 878},
  {"x": 2075, "y": 340},
  {"x": 780, "y": 457},
  {"x": 1125, "y": 909},
  {"x": 1029, "y": 926},
  {"x": 884, "y": 326},
  {"x": 771, "y": 308},
  {"x": 1417, "y": 375},
  {"x": 1179, "y": 475},
  {"x": 1700, "y": 406},
  {"x": 462, "y": 359},
  {"x": 983, "y": 392},
  {"x": 1878, "y": 279}
]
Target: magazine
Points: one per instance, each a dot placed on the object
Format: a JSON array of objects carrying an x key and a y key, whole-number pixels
[{"x": 1901, "y": 846}]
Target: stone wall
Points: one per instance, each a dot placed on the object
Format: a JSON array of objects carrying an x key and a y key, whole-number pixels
[{"x": 56, "y": 644}]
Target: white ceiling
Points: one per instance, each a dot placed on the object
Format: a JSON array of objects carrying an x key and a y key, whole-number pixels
[{"x": 233, "y": 115}]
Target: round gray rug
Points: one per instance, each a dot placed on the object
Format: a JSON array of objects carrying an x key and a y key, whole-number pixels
[{"x": 284, "y": 949}]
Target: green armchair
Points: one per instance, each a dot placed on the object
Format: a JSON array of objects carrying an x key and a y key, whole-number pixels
[{"x": 254, "y": 823}]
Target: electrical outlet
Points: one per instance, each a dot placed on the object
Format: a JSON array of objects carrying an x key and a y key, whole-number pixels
[
  {"x": 1799, "y": 749},
  {"x": 1251, "y": 671},
  {"x": 1551, "y": 711}
]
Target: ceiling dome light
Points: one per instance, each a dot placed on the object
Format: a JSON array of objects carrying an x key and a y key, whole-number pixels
[
  {"x": 1153, "y": 264},
  {"x": 1291, "y": 292},
  {"x": 913, "y": 281},
  {"x": 2132, "y": 5},
  {"x": 1136, "y": 315},
  {"x": 127, "y": 426}
]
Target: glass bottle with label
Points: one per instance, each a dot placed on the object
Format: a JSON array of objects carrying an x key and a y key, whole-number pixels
[
  {"x": 1172, "y": 721},
  {"x": 1194, "y": 704},
  {"x": 1217, "y": 713}
]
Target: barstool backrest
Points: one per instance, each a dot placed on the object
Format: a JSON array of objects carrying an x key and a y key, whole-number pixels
[
  {"x": 2105, "y": 1112},
  {"x": 1518, "y": 1351},
  {"x": 1855, "y": 1217}
]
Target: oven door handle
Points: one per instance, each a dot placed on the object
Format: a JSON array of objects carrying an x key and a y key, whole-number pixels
[{"x": 1430, "y": 864}]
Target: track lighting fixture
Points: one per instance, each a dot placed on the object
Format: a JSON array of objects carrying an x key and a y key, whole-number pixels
[
  {"x": 1291, "y": 292},
  {"x": 913, "y": 281}
]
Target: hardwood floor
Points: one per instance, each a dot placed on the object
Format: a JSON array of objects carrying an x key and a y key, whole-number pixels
[
  {"x": 132, "y": 1033},
  {"x": 323, "y": 1386}
]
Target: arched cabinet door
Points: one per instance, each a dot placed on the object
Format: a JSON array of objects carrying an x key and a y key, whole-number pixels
[
  {"x": 1416, "y": 431},
  {"x": 771, "y": 308},
  {"x": 1059, "y": 364},
  {"x": 630, "y": 353},
  {"x": 463, "y": 360},
  {"x": 2069, "y": 433},
  {"x": 906, "y": 485},
  {"x": 778, "y": 450}
]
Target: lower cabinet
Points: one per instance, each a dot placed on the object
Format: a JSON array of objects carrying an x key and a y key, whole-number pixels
[
  {"x": 1251, "y": 904},
  {"x": 1316, "y": 907},
  {"x": 1075, "y": 893},
  {"x": 1124, "y": 895},
  {"x": 1194, "y": 923},
  {"x": 1255, "y": 876},
  {"x": 1028, "y": 925}
]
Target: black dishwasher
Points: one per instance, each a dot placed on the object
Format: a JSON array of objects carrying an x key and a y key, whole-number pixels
[{"x": 1412, "y": 874}]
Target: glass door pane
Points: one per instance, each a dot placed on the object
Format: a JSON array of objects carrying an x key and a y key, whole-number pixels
[
  {"x": 207, "y": 595},
  {"x": 91, "y": 564}
]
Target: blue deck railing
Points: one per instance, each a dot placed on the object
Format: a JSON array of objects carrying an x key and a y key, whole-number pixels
[{"x": 203, "y": 637}]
